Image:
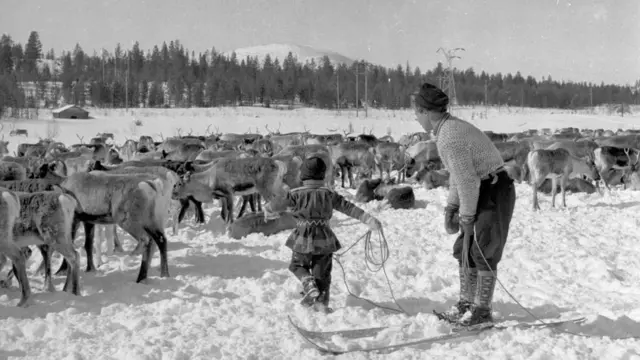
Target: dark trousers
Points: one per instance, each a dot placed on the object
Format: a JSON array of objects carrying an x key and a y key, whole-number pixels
[
  {"x": 493, "y": 216},
  {"x": 319, "y": 266}
]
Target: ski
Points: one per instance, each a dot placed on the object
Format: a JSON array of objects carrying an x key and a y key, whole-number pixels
[
  {"x": 366, "y": 332},
  {"x": 313, "y": 338}
]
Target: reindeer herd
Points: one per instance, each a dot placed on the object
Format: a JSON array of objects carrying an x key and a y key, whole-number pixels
[{"x": 48, "y": 189}]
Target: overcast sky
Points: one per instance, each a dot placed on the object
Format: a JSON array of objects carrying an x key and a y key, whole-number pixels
[{"x": 579, "y": 40}]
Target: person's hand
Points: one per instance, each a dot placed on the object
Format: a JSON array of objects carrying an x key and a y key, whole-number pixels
[
  {"x": 374, "y": 224},
  {"x": 451, "y": 221},
  {"x": 466, "y": 224}
]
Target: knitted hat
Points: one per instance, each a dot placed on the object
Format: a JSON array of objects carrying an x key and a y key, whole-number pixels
[
  {"x": 431, "y": 98},
  {"x": 313, "y": 168}
]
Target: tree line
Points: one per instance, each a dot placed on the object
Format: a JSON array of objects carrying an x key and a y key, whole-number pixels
[{"x": 171, "y": 76}]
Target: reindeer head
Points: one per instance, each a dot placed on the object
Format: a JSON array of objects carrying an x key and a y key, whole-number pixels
[
  {"x": 188, "y": 186},
  {"x": 593, "y": 172}
]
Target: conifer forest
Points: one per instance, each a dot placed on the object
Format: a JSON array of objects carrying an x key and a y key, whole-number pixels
[{"x": 169, "y": 75}]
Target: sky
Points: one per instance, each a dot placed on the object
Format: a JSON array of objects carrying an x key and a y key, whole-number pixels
[{"x": 577, "y": 40}]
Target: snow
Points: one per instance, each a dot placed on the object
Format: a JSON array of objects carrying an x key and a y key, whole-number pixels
[{"x": 229, "y": 299}]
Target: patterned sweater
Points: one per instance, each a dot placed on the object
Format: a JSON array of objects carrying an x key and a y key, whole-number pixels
[
  {"x": 312, "y": 206},
  {"x": 469, "y": 155}
]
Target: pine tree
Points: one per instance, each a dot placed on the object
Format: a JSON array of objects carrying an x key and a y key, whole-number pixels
[{"x": 32, "y": 52}]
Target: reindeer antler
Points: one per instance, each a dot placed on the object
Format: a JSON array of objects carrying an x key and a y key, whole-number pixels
[
  {"x": 207, "y": 131},
  {"x": 80, "y": 138},
  {"x": 305, "y": 128}
]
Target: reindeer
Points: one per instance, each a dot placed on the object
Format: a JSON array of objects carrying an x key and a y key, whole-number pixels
[
  {"x": 184, "y": 152},
  {"x": 398, "y": 197},
  {"x": 147, "y": 142},
  {"x": 9, "y": 247},
  {"x": 229, "y": 177},
  {"x": 163, "y": 201},
  {"x": 391, "y": 156},
  {"x": 46, "y": 219},
  {"x": 329, "y": 139},
  {"x": 105, "y": 136},
  {"x": 127, "y": 200},
  {"x": 353, "y": 154},
  {"x": 557, "y": 165},
  {"x": 609, "y": 159},
  {"x": 514, "y": 172},
  {"x": 10, "y": 170}
]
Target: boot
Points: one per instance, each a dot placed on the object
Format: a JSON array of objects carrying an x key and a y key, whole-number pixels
[
  {"x": 480, "y": 315},
  {"x": 310, "y": 291},
  {"x": 468, "y": 284},
  {"x": 322, "y": 302}
]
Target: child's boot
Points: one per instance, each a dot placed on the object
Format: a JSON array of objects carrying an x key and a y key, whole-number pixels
[
  {"x": 322, "y": 302},
  {"x": 310, "y": 291}
]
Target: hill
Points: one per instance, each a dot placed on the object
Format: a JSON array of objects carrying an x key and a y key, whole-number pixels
[{"x": 280, "y": 51}]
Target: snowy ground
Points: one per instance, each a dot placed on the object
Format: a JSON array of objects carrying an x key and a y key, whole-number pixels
[{"x": 229, "y": 299}]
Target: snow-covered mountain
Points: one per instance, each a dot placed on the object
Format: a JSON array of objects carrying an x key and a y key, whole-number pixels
[{"x": 280, "y": 51}]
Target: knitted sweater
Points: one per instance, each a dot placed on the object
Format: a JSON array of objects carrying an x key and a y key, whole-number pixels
[{"x": 469, "y": 155}]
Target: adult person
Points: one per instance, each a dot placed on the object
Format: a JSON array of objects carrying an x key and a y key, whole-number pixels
[{"x": 479, "y": 206}]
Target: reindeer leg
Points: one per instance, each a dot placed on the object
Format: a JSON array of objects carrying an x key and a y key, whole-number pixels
[
  {"x": 89, "y": 231},
  {"x": 161, "y": 241},
  {"x": 226, "y": 202},
  {"x": 343, "y": 174},
  {"x": 258, "y": 201},
  {"x": 252, "y": 202},
  {"x": 184, "y": 206},
  {"x": 99, "y": 239},
  {"x": 535, "y": 184},
  {"x": 19, "y": 268},
  {"x": 351, "y": 181},
  {"x": 199, "y": 211},
  {"x": 563, "y": 187},
  {"x": 243, "y": 207},
  {"x": 72, "y": 283},
  {"x": 45, "y": 251},
  {"x": 117, "y": 244},
  {"x": 554, "y": 190}
]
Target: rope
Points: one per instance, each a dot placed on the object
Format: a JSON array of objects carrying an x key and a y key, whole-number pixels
[
  {"x": 373, "y": 265},
  {"x": 475, "y": 240}
]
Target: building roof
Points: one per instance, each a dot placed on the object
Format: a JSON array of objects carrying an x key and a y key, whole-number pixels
[{"x": 67, "y": 107}]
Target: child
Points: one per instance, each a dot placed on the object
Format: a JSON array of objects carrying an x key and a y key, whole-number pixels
[{"x": 313, "y": 242}]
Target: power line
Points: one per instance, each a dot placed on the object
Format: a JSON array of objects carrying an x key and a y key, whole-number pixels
[{"x": 448, "y": 84}]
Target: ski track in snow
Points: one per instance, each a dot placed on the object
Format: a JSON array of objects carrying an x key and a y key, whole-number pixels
[{"x": 229, "y": 299}]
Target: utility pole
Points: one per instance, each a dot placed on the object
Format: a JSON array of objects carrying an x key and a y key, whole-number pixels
[
  {"x": 449, "y": 85},
  {"x": 366, "y": 92},
  {"x": 590, "y": 96},
  {"x": 357, "y": 86},
  {"x": 486, "y": 93},
  {"x": 126, "y": 86},
  {"x": 338, "y": 91}
]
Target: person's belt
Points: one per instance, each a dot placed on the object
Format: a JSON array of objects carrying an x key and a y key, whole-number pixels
[{"x": 494, "y": 174}]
